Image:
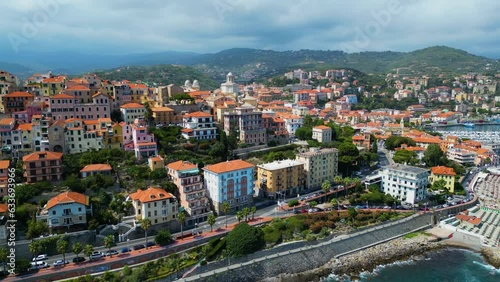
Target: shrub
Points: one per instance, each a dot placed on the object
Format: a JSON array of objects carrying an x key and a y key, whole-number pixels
[
  {"x": 293, "y": 203},
  {"x": 221, "y": 245},
  {"x": 245, "y": 239}
]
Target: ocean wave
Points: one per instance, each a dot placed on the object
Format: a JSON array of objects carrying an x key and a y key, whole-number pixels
[{"x": 488, "y": 267}]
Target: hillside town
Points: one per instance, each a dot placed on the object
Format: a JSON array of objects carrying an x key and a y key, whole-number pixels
[{"x": 120, "y": 157}]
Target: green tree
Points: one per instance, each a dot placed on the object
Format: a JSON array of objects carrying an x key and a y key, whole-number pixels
[
  {"x": 396, "y": 141},
  {"x": 163, "y": 238},
  {"x": 348, "y": 156},
  {"x": 374, "y": 148},
  {"x": 3, "y": 257},
  {"x": 211, "y": 221},
  {"x": 439, "y": 185},
  {"x": 326, "y": 186},
  {"x": 109, "y": 242},
  {"x": 304, "y": 133},
  {"x": 35, "y": 248},
  {"x": 218, "y": 150},
  {"x": 239, "y": 216},
  {"x": 88, "y": 250},
  {"x": 244, "y": 239},
  {"x": 352, "y": 213},
  {"x": 246, "y": 212},
  {"x": 145, "y": 225},
  {"x": 22, "y": 266},
  {"x": 434, "y": 156},
  {"x": 36, "y": 229},
  {"x": 62, "y": 247},
  {"x": 181, "y": 218},
  {"x": 77, "y": 249},
  {"x": 225, "y": 209},
  {"x": 253, "y": 210},
  {"x": 405, "y": 157},
  {"x": 116, "y": 115},
  {"x": 148, "y": 113}
]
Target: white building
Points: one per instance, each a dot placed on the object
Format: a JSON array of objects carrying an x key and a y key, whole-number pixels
[
  {"x": 132, "y": 111},
  {"x": 320, "y": 165},
  {"x": 65, "y": 209},
  {"x": 154, "y": 203},
  {"x": 322, "y": 133},
  {"x": 292, "y": 122},
  {"x": 230, "y": 87},
  {"x": 199, "y": 125},
  {"x": 232, "y": 182},
  {"x": 405, "y": 183},
  {"x": 461, "y": 156}
]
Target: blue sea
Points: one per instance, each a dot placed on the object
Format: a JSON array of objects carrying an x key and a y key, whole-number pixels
[
  {"x": 477, "y": 127},
  {"x": 453, "y": 265}
]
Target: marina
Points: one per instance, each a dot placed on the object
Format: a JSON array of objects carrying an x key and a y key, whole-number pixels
[{"x": 485, "y": 137}]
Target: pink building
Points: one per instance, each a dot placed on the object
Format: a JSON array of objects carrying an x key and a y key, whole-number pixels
[
  {"x": 65, "y": 106},
  {"x": 144, "y": 144}
]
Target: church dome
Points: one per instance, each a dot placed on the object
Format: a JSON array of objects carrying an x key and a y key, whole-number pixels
[{"x": 196, "y": 84}]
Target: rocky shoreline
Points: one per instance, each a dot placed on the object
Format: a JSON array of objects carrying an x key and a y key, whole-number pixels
[{"x": 367, "y": 260}]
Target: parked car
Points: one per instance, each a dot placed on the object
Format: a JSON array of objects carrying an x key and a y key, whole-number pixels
[
  {"x": 139, "y": 247},
  {"x": 60, "y": 262},
  {"x": 125, "y": 250},
  {"x": 96, "y": 255},
  {"x": 38, "y": 265},
  {"x": 79, "y": 259},
  {"x": 111, "y": 253},
  {"x": 41, "y": 257},
  {"x": 150, "y": 244}
]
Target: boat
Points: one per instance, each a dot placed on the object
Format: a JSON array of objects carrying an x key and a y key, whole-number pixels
[{"x": 469, "y": 124}]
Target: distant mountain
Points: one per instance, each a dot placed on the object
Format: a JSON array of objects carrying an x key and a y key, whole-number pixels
[
  {"x": 16, "y": 69},
  {"x": 160, "y": 74}
]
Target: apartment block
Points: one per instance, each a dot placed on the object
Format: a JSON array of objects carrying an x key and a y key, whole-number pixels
[
  {"x": 405, "y": 183},
  {"x": 281, "y": 179},
  {"x": 320, "y": 164}
]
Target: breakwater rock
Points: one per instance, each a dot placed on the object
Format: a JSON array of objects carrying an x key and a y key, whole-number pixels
[{"x": 492, "y": 256}]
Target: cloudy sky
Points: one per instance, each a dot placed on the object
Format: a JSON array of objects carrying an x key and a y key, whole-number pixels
[{"x": 130, "y": 26}]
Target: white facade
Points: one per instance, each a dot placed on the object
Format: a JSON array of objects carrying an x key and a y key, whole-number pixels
[
  {"x": 132, "y": 111},
  {"x": 155, "y": 204},
  {"x": 322, "y": 134},
  {"x": 199, "y": 125},
  {"x": 293, "y": 122},
  {"x": 405, "y": 183},
  {"x": 461, "y": 156},
  {"x": 320, "y": 165},
  {"x": 229, "y": 87}
]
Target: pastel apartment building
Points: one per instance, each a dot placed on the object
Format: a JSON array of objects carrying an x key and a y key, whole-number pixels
[
  {"x": 144, "y": 144},
  {"x": 42, "y": 166},
  {"x": 154, "y": 203},
  {"x": 95, "y": 169},
  {"x": 281, "y": 179},
  {"x": 17, "y": 101},
  {"x": 461, "y": 156},
  {"x": 132, "y": 111},
  {"x": 249, "y": 124},
  {"x": 192, "y": 191},
  {"x": 405, "y": 183},
  {"x": 65, "y": 209},
  {"x": 53, "y": 85},
  {"x": 66, "y": 106},
  {"x": 78, "y": 139},
  {"x": 444, "y": 173},
  {"x": 199, "y": 126},
  {"x": 322, "y": 133},
  {"x": 362, "y": 141},
  {"x": 232, "y": 182},
  {"x": 6, "y": 127},
  {"x": 319, "y": 165},
  {"x": 163, "y": 115},
  {"x": 4, "y": 173}
]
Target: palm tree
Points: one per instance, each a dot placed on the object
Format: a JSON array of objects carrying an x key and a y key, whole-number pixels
[
  {"x": 3, "y": 257},
  {"x": 35, "y": 247},
  {"x": 337, "y": 179},
  {"x": 326, "y": 186},
  {"x": 356, "y": 182},
  {"x": 246, "y": 213},
  {"x": 211, "y": 221},
  {"x": 181, "y": 218},
  {"x": 89, "y": 249},
  {"x": 225, "y": 209},
  {"x": 239, "y": 215},
  {"x": 62, "y": 247},
  {"x": 77, "y": 249},
  {"x": 347, "y": 182},
  {"x": 109, "y": 241},
  {"x": 253, "y": 210},
  {"x": 146, "y": 224}
]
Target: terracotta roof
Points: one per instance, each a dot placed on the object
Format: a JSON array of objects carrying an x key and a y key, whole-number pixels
[
  {"x": 3, "y": 208},
  {"x": 156, "y": 159},
  {"x": 197, "y": 114},
  {"x": 68, "y": 197},
  {"x": 137, "y": 85},
  {"x": 182, "y": 165},
  {"x": 98, "y": 94},
  {"x": 59, "y": 122},
  {"x": 78, "y": 87},
  {"x": 427, "y": 140},
  {"x": 358, "y": 138},
  {"x": 4, "y": 164},
  {"x": 322, "y": 127},
  {"x": 150, "y": 195},
  {"x": 90, "y": 121},
  {"x": 6, "y": 121},
  {"x": 49, "y": 156},
  {"x": 131, "y": 106},
  {"x": 24, "y": 126},
  {"x": 228, "y": 166},
  {"x": 56, "y": 79},
  {"x": 186, "y": 130},
  {"x": 145, "y": 144},
  {"x": 19, "y": 94},
  {"x": 162, "y": 109},
  {"x": 471, "y": 219},
  {"x": 63, "y": 96},
  {"x": 443, "y": 170},
  {"x": 96, "y": 167}
]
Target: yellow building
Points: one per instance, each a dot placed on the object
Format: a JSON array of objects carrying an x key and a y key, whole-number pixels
[
  {"x": 320, "y": 165},
  {"x": 155, "y": 163},
  {"x": 445, "y": 173},
  {"x": 53, "y": 85},
  {"x": 281, "y": 178},
  {"x": 163, "y": 115}
]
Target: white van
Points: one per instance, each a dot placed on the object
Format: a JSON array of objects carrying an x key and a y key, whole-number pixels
[{"x": 38, "y": 265}]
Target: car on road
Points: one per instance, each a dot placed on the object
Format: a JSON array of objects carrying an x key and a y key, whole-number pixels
[
  {"x": 125, "y": 250},
  {"x": 139, "y": 247},
  {"x": 41, "y": 257},
  {"x": 60, "y": 262},
  {"x": 78, "y": 259},
  {"x": 96, "y": 255},
  {"x": 111, "y": 253},
  {"x": 150, "y": 244}
]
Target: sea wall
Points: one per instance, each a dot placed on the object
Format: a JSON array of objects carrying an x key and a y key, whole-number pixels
[{"x": 296, "y": 258}]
